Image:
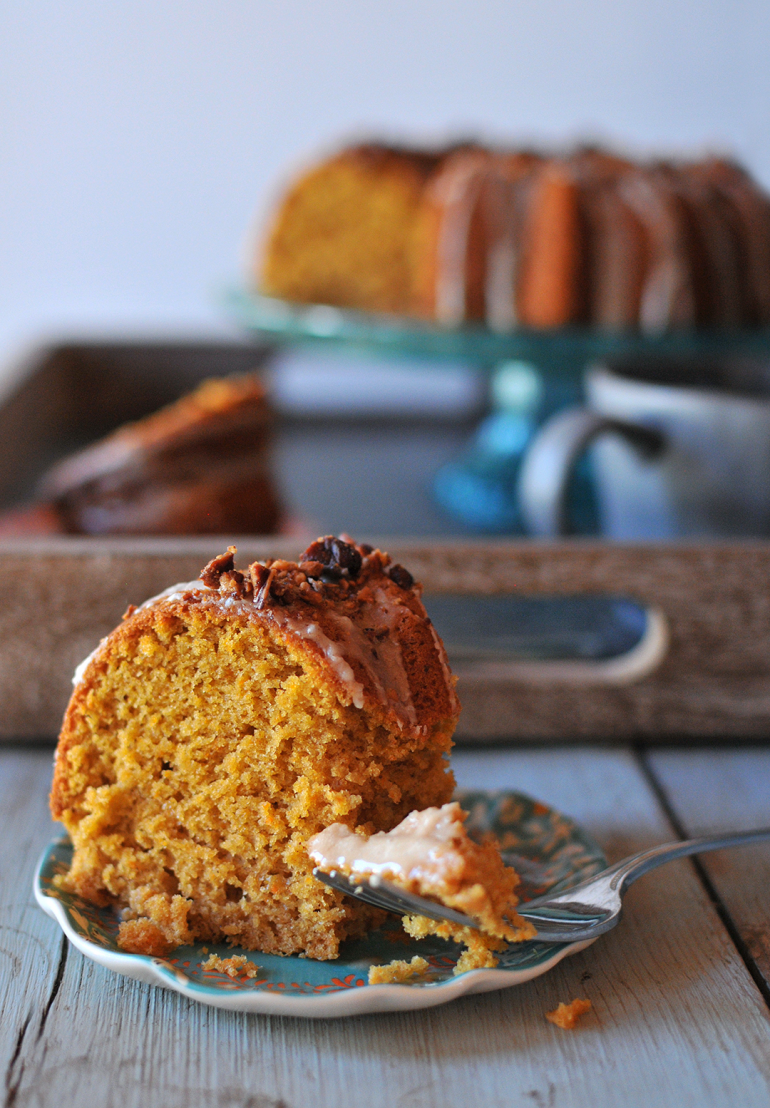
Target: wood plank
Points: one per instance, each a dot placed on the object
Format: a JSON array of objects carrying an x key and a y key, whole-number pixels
[
  {"x": 724, "y": 790},
  {"x": 710, "y": 675},
  {"x": 676, "y": 1020},
  {"x": 31, "y": 945}
]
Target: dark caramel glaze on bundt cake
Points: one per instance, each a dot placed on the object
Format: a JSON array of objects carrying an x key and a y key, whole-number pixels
[
  {"x": 227, "y": 721},
  {"x": 198, "y": 466}
]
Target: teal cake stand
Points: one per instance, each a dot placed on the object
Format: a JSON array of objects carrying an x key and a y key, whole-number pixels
[{"x": 532, "y": 374}]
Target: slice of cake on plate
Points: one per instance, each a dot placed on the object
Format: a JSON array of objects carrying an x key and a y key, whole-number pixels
[{"x": 230, "y": 719}]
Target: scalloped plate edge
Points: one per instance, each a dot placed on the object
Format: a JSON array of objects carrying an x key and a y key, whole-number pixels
[{"x": 348, "y": 1002}]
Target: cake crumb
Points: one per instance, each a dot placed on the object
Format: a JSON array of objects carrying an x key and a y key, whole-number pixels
[
  {"x": 236, "y": 966},
  {"x": 397, "y": 971},
  {"x": 480, "y": 947},
  {"x": 567, "y": 1015},
  {"x": 141, "y": 936}
]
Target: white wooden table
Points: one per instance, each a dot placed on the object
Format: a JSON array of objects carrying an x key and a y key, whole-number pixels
[{"x": 680, "y": 991}]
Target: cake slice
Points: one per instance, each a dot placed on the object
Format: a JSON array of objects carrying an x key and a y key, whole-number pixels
[
  {"x": 197, "y": 466},
  {"x": 230, "y": 719},
  {"x": 344, "y": 232},
  {"x": 429, "y": 853}
]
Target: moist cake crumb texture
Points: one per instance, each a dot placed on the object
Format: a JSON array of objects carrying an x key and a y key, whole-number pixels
[
  {"x": 236, "y": 966},
  {"x": 397, "y": 972},
  {"x": 224, "y": 723}
]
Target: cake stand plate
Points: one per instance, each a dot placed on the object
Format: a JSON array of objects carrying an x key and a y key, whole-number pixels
[
  {"x": 565, "y": 351},
  {"x": 550, "y": 852}
]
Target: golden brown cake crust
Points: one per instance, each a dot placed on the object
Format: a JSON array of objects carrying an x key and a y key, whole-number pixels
[{"x": 228, "y": 720}]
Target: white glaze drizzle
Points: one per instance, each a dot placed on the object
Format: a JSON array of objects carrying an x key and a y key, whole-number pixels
[
  {"x": 80, "y": 670},
  {"x": 422, "y": 847},
  {"x": 176, "y": 592},
  {"x": 309, "y": 629},
  {"x": 382, "y": 659},
  {"x": 390, "y": 672},
  {"x": 463, "y": 190},
  {"x": 449, "y": 680},
  {"x": 502, "y": 251},
  {"x": 667, "y": 294},
  {"x": 173, "y": 592}
]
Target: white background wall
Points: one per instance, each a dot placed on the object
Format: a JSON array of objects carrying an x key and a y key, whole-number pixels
[{"x": 138, "y": 139}]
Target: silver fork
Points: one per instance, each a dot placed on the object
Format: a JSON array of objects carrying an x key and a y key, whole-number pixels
[{"x": 582, "y": 912}]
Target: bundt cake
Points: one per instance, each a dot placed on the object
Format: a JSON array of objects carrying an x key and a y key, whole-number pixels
[
  {"x": 227, "y": 721},
  {"x": 517, "y": 238},
  {"x": 198, "y": 466}
]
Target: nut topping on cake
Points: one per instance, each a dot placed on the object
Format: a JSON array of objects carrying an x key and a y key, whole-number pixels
[
  {"x": 336, "y": 557},
  {"x": 400, "y": 576},
  {"x": 331, "y": 567},
  {"x": 211, "y": 573}
]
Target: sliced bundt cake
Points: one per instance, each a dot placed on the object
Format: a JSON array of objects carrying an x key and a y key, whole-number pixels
[
  {"x": 515, "y": 238},
  {"x": 227, "y": 721}
]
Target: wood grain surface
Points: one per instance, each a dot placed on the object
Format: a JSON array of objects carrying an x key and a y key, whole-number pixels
[
  {"x": 677, "y": 1018},
  {"x": 729, "y": 790},
  {"x": 58, "y": 597}
]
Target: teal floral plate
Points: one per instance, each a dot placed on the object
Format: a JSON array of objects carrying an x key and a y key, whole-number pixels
[{"x": 548, "y": 850}]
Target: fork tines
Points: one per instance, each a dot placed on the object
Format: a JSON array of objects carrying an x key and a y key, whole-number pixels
[{"x": 382, "y": 894}]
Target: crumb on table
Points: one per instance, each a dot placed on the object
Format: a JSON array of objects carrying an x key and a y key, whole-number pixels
[
  {"x": 567, "y": 1015},
  {"x": 397, "y": 971},
  {"x": 235, "y": 966}
]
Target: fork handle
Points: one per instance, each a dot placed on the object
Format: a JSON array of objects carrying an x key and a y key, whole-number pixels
[{"x": 626, "y": 872}]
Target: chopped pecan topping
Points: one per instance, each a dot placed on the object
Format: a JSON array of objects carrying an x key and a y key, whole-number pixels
[
  {"x": 332, "y": 570},
  {"x": 259, "y": 574},
  {"x": 312, "y": 569},
  {"x": 310, "y": 596},
  {"x": 377, "y": 561},
  {"x": 212, "y": 572},
  {"x": 339, "y": 558},
  {"x": 260, "y": 598},
  {"x": 232, "y": 581},
  {"x": 400, "y": 576}
]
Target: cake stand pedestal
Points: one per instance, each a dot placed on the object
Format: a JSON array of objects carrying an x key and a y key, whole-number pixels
[{"x": 533, "y": 374}]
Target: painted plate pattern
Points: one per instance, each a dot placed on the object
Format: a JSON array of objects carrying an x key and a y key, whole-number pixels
[{"x": 548, "y": 850}]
